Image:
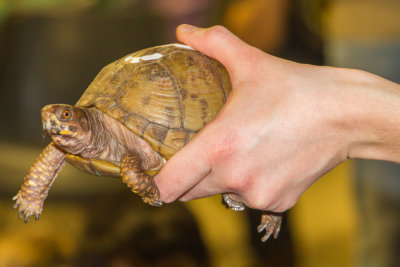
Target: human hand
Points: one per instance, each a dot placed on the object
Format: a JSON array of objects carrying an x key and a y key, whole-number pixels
[{"x": 284, "y": 125}]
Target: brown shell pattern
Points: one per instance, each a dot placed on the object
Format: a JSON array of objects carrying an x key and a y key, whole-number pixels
[{"x": 164, "y": 94}]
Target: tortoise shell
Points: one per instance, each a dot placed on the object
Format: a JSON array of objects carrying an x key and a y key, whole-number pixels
[{"x": 164, "y": 94}]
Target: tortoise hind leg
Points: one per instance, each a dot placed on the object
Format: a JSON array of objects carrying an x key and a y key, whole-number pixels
[
  {"x": 138, "y": 181},
  {"x": 271, "y": 223}
]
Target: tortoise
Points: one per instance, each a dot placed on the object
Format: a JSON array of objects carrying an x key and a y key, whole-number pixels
[{"x": 137, "y": 112}]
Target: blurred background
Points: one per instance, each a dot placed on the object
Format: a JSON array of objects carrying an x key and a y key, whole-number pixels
[{"x": 50, "y": 50}]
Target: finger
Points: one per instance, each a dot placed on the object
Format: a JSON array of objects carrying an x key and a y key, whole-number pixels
[
  {"x": 219, "y": 43},
  {"x": 203, "y": 191},
  {"x": 208, "y": 186},
  {"x": 183, "y": 171}
]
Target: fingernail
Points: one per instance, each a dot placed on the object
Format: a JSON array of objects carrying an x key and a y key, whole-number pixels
[{"x": 187, "y": 28}]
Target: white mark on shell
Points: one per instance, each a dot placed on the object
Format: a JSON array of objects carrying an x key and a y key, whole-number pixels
[
  {"x": 183, "y": 46},
  {"x": 143, "y": 58}
]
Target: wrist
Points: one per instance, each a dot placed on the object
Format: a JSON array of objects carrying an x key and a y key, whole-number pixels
[{"x": 372, "y": 111}]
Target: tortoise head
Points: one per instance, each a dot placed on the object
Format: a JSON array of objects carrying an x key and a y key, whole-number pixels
[{"x": 67, "y": 125}]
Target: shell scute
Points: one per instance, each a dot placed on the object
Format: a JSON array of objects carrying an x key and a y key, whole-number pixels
[
  {"x": 195, "y": 75},
  {"x": 174, "y": 140},
  {"x": 116, "y": 112},
  {"x": 102, "y": 91},
  {"x": 152, "y": 91},
  {"x": 136, "y": 123},
  {"x": 156, "y": 134}
]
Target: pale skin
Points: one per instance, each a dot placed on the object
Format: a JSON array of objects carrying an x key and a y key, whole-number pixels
[{"x": 284, "y": 125}]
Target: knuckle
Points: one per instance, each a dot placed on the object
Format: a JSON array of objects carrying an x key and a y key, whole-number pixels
[
  {"x": 258, "y": 201},
  {"x": 216, "y": 33},
  {"x": 221, "y": 152},
  {"x": 236, "y": 184},
  {"x": 223, "y": 146}
]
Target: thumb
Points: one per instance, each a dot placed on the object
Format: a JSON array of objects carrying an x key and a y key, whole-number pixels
[{"x": 219, "y": 43}]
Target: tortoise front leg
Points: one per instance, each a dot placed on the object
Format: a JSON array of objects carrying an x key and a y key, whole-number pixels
[
  {"x": 37, "y": 182},
  {"x": 138, "y": 181}
]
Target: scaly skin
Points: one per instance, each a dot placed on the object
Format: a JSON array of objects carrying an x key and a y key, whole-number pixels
[
  {"x": 138, "y": 181},
  {"x": 29, "y": 199}
]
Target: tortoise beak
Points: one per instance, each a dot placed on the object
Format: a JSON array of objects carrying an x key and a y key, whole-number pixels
[
  {"x": 49, "y": 109},
  {"x": 48, "y": 113}
]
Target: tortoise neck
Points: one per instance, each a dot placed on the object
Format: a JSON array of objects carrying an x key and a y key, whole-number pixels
[{"x": 97, "y": 138}]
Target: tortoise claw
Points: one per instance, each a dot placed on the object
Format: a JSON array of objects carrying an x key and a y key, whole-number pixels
[
  {"x": 266, "y": 236},
  {"x": 152, "y": 201},
  {"x": 271, "y": 223},
  {"x": 27, "y": 208}
]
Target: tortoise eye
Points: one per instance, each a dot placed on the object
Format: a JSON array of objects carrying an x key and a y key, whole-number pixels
[{"x": 66, "y": 114}]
